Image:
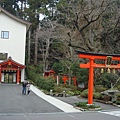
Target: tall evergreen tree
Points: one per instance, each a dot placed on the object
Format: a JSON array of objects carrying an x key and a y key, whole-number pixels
[{"x": 10, "y": 5}]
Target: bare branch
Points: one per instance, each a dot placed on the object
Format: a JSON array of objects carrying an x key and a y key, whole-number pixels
[
  {"x": 92, "y": 20},
  {"x": 117, "y": 22},
  {"x": 82, "y": 48}
]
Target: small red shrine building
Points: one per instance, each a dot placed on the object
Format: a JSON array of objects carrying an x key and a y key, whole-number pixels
[
  {"x": 10, "y": 71},
  {"x": 48, "y": 73}
]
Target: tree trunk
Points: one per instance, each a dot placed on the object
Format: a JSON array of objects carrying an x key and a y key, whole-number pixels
[
  {"x": 36, "y": 47},
  {"x": 69, "y": 75}
]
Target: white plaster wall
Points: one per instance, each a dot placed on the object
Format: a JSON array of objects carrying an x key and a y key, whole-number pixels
[
  {"x": 14, "y": 77},
  {"x": 22, "y": 75},
  {"x": 2, "y": 79},
  {"x": 15, "y": 45}
]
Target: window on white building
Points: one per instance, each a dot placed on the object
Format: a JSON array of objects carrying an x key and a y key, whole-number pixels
[
  {"x": 3, "y": 56},
  {"x": 5, "y": 34}
]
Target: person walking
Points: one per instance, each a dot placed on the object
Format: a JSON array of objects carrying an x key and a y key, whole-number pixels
[
  {"x": 28, "y": 88},
  {"x": 24, "y": 88}
]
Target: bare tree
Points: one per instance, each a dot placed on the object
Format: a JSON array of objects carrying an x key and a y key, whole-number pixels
[
  {"x": 46, "y": 35},
  {"x": 84, "y": 21},
  {"x": 111, "y": 22}
]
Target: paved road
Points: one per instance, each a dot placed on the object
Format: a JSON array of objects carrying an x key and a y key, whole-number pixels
[
  {"x": 12, "y": 101},
  {"x": 15, "y": 106}
]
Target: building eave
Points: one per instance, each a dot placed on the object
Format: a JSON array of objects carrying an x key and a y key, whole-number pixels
[{"x": 10, "y": 60}]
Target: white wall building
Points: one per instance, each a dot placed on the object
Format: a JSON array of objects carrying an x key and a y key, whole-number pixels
[{"x": 12, "y": 47}]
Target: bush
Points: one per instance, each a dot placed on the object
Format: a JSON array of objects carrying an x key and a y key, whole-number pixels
[
  {"x": 58, "y": 89},
  {"x": 118, "y": 96},
  {"x": 44, "y": 83},
  {"x": 117, "y": 102},
  {"x": 61, "y": 88},
  {"x": 118, "y": 87},
  {"x": 85, "y": 105},
  {"x": 84, "y": 94},
  {"x": 81, "y": 104},
  {"x": 70, "y": 93},
  {"x": 72, "y": 87},
  {"x": 99, "y": 88},
  {"x": 97, "y": 95},
  {"x": 47, "y": 84},
  {"x": 77, "y": 92}
]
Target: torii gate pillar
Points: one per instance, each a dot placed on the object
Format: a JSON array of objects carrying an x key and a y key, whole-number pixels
[{"x": 90, "y": 82}]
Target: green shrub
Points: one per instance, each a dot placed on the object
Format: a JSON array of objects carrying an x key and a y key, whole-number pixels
[
  {"x": 70, "y": 93},
  {"x": 77, "y": 92},
  {"x": 44, "y": 83},
  {"x": 118, "y": 96},
  {"x": 81, "y": 104},
  {"x": 99, "y": 88},
  {"x": 118, "y": 87},
  {"x": 84, "y": 94},
  {"x": 96, "y": 95},
  {"x": 48, "y": 84},
  {"x": 32, "y": 74},
  {"x": 85, "y": 105},
  {"x": 94, "y": 106},
  {"x": 117, "y": 102},
  {"x": 58, "y": 89},
  {"x": 72, "y": 87}
]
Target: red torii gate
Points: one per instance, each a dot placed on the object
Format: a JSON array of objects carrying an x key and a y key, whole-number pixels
[
  {"x": 108, "y": 58},
  {"x": 66, "y": 77}
]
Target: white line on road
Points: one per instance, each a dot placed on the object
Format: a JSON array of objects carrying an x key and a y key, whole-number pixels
[{"x": 112, "y": 112}]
